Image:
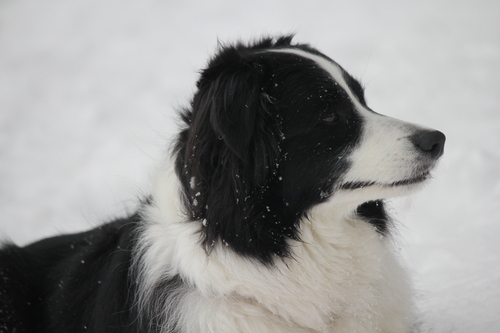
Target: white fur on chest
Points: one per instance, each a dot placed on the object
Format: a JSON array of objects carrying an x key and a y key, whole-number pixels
[{"x": 343, "y": 276}]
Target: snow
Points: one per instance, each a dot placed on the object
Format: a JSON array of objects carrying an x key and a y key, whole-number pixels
[{"x": 88, "y": 92}]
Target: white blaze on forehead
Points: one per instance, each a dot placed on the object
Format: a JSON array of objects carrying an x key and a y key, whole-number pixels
[{"x": 331, "y": 68}]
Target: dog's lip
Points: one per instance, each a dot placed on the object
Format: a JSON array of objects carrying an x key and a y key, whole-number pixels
[
  {"x": 404, "y": 182},
  {"x": 414, "y": 180}
]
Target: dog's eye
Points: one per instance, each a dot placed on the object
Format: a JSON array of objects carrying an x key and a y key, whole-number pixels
[{"x": 330, "y": 119}]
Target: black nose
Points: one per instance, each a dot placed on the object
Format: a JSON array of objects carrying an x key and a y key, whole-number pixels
[{"x": 431, "y": 142}]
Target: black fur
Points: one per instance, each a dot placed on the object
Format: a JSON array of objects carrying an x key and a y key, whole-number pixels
[
  {"x": 374, "y": 213},
  {"x": 72, "y": 283}
]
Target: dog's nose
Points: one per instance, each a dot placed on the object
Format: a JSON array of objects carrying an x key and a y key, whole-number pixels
[{"x": 431, "y": 142}]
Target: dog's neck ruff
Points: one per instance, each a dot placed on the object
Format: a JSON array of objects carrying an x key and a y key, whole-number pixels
[
  {"x": 332, "y": 68},
  {"x": 340, "y": 258}
]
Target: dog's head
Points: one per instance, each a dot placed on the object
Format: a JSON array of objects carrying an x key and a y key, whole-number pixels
[{"x": 276, "y": 128}]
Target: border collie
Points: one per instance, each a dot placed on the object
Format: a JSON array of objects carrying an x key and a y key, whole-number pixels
[{"x": 267, "y": 217}]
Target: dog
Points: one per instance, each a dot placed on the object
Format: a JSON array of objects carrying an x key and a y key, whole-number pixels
[{"x": 267, "y": 216}]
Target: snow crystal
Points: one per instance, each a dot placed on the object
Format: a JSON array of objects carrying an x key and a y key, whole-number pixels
[{"x": 324, "y": 195}]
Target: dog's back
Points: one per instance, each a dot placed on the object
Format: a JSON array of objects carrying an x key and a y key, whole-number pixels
[{"x": 72, "y": 283}]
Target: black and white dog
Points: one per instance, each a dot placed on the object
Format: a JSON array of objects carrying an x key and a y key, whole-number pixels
[{"x": 268, "y": 217}]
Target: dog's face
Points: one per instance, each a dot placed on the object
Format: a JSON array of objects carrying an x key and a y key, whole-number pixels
[
  {"x": 276, "y": 129},
  {"x": 367, "y": 156}
]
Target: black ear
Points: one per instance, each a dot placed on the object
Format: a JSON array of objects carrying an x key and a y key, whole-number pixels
[{"x": 232, "y": 95}]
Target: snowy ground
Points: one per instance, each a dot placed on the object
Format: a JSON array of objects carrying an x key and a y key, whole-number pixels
[{"x": 88, "y": 91}]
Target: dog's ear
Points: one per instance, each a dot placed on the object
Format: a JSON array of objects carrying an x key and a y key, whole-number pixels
[
  {"x": 232, "y": 95},
  {"x": 232, "y": 90}
]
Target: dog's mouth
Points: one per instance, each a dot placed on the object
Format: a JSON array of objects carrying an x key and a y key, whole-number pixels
[{"x": 405, "y": 182}]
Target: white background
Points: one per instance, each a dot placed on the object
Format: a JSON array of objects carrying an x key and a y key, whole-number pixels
[{"x": 89, "y": 89}]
